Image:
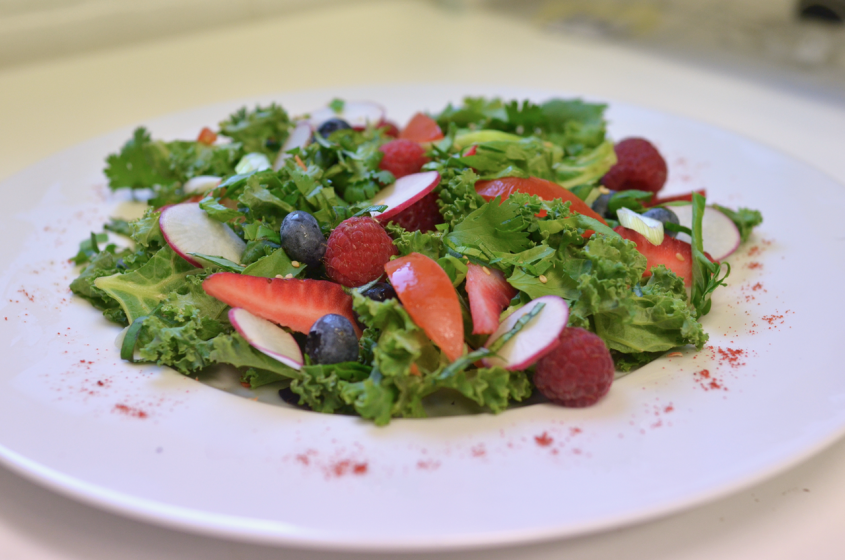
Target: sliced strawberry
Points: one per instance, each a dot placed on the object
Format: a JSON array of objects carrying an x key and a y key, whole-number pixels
[
  {"x": 674, "y": 254},
  {"x": 489, "y": 293},
  {"x": 422, "y": 128},
  {"x": 677, "y": 198},
  {"x": 546, "y": 190},
  {"x": 292, "y": 303},
  {"x": 207, "y": 136},
  {"x": 430, "y": 299}
]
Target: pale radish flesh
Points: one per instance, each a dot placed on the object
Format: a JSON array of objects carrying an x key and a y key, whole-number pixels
[
  {"x": 719, "y": 235},
  {"x": 404, "y": 192},
  {"x": 201, "y": 184},
  {"x": 188, "y": 229},
  {"x": 358, "y": 114},
  {"x": 299, "y": 137},
  {"x": 535, "y": 340},
  {"x": 266, "y": 337}
]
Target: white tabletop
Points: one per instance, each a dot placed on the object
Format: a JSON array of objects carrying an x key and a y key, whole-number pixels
[{"x": 52, "y": 105}]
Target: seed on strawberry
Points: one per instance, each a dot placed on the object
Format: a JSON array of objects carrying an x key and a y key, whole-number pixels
[
  {"x": 422, "y": 215},
  {"x": 578, "y": 372},
  {"x": 357, "y": 251},
  {"x": 639, "y": 167},
  {"x": 402, "y": 157}
]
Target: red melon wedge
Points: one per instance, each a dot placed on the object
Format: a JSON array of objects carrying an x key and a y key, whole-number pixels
[
  {"x": 292, "y": 303},
  {"x": 489, "y": 293},
  {"x": 546, "y": 190},
  {"x": 430, "y": 299}
]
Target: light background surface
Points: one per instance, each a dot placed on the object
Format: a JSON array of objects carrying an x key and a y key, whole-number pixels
[{"x": 53, "y": 105}]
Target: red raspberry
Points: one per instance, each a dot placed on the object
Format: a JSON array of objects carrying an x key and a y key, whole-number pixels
[
  {"x": 402, "y": 157},
  {"x": 357, "y": 251},
  {"x": 639, "y": 167},
  {"x": 578, "y": 372},
  {"x": 422, "y": 215}
]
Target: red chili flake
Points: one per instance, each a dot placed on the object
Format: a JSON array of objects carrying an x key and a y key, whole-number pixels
[
  {"x": 669, "y": 408},
  {"x": 754, "y": 265},
  {"x": 755, "y": 250},
  {"x": 303, "y": 459},
  {"x": 757, "y": 286},
  {"x": 341, "y": 468},
  {"x": 428, "y": 465},
  {"x": 130, "y": 411},
  {"x": 773, "y": 319},
  {"x": 478, "y": 451},
  {"x": 543, "y": 440},
  {"x": 731, "y": 356},
  {"x": 575, "y": 431}
]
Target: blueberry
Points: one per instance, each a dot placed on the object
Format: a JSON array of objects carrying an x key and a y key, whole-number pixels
[
  {"x": 332, "y": 125},
  {"x": 600, "y": 205},
  {"x": 380, "y": 291},
  {"x": 302, "y": 238},
  {"x": 663, "y": 215},
  {"x": 332, "y": 340}
]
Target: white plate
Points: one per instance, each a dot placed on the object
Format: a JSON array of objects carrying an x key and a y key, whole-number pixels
[{"x": 154, "y": 445}]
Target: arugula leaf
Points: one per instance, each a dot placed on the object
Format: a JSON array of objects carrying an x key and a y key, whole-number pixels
[
  {"x": 705, "y": 274},
  {"x": 745, "y": 219}
]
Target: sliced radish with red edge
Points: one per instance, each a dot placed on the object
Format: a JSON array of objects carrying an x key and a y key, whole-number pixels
[
  {"x": 266, "y": 337},
  {"x": 404, "y": 192},
  {"x": 188, "y": 229},
  {"x": 535, "y": 340},
  {"x": 719, "y": 235}
]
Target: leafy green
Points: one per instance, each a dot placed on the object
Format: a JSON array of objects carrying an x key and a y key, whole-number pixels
[
  {"x": 263, "y": 129},
  {"x": 745, "y": 219},
  {"x": 705, "y": 273}
]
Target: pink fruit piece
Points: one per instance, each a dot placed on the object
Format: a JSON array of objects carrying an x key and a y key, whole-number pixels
[
  {"x": 577, "y": 372},
  {"x": 404, "y": 193},
  {"x": 489, "y": 293},
  {"x": 292, "y": 303},
  {"x": 639, "y": 167},
  {"x": 357, "y": 250}
]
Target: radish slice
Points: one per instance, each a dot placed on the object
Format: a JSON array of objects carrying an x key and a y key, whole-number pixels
[
  {"x": 404, "y": 192},
  {"x": 254, "y": 161},
  {"x": 188, "y": 229},
  {"x": 720, "y": 236},
  {"x": 535, "y": 340},
  {"x": 299, "y": 137},
  {"x": 266, "y": 337},
  {"x": 649, "y": 228},
  {"x": 201, "y": 184},
  {"x": 357, "y": 113}
]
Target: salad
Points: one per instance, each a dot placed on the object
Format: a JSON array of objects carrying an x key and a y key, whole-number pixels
[{"x": 491, "y": 250}]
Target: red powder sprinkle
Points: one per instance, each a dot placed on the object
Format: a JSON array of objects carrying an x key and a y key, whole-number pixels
[
  {"x": 428, "y": 465},
  {"x": 543, "y": 440},
  {"x": 754, "y": 265},
  {"x": 669, "y": 408},
  {"x": 303, "y": 459},
  {"x": 757, "y": 286},
  {"x": 341, "y": 468},
  {"x": 575, "y": 431},
  {"x": 707, "y": 382},
  {"x": 773, "y": 319},
  {"x": 731, "y": 356},
  {"x": 130, "y": 411},
  {"x": 478, "y": 451}
]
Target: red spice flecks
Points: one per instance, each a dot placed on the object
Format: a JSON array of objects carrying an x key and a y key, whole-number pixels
[
  {"x": 757, "y": 286},
  {"x": 669, "y": 408},
  {"x": 754, "y": 265},
  {"x": 773, "y": 320},
  {"x": 428, "y": 465},
  {"x": 575, "y": 431},
  {"x": 478, "y": 451},
  {"x": 731, "y": 356},
  {"x": 303, "y": 459},
  {"x": 130, "y": 411},
  {"x": 26, "y": 294},
  {"x": 707, "y": 381},
  {"x": 543, "y": 440},
  {"x": 344, "y": 467}
]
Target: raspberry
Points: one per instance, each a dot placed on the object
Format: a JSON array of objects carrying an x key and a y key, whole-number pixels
[
  {"x": 402, "y": 157},
  {"x": 639, "y": 167},
  {"x": 578, "y": 372},
  {"x": 389, "y": 129},
  {"x": 357, "y": 251},
  {"x": 422, "y": 215}
]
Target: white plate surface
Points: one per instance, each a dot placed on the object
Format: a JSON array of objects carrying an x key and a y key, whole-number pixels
[{"x": 152, "y": 444}]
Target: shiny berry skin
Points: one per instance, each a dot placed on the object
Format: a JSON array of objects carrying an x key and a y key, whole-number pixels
[
  {"x": 357, "y": 251},
  {"x": 380, "y": 291},
  {"x": 302, "y": 238},
  {"x": 332, "y": 125},
  {"x": 332, "y": 340},
  {"x": 402, "y": 157},
  {"x": 663, "y": 215},
  {"x": 639, "y": 167},
  {"x": 578, "y": 372},
  {"x": 422, "y": 215},
  {"x": 600, "y": 205}
]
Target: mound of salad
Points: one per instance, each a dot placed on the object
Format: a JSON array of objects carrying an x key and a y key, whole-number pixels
[{"x": 493, "y": 250}]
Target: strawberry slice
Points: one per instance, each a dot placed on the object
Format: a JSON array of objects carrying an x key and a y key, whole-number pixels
[
  {"x": 674, "y": 254},
  {"x": 292, "y": 303},
  {"x": 422, "y": 128},
  {"x": 546, "y": 190},
  {"x": 489, "y": 293},
  {"x": 430, "y": 299},
  {"x": 677, "y": 198}
]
